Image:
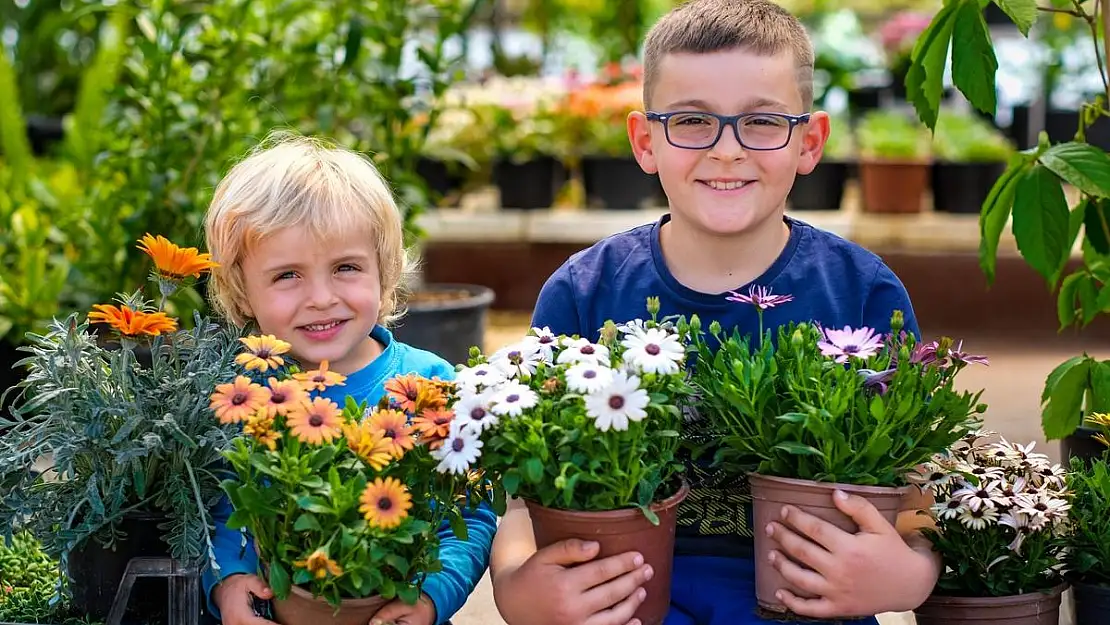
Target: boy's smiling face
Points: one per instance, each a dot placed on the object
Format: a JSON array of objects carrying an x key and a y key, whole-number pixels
[
  {"x": 704, "y": 186},
  {"x": 323, "y": 299}
]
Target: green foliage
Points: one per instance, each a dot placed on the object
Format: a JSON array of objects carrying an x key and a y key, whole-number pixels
[
  {"x": 791, "y": 411},
  {"x": 1089, "y": 543},
  {"x": 28, "y": 581},
  {"x": 967, "y": 138},
  {"x": 889, "y": 135}
]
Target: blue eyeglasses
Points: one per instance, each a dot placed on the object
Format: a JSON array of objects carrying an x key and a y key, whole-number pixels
[{"x": 698, "y": 130}]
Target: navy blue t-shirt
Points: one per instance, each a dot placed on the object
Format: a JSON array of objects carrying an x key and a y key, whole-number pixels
[{"x": 833, "y": 281}]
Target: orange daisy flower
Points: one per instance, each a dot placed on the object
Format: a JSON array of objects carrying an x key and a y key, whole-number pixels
[
  {"x": 130, "y": 322},
  {"x": 263, "y": 352},
  {"x": 175, "y": 262},
  {"x": 261, "y": 427},
  {"x": 319, "y": 379},
  {"x": 369, "y": 444},
  {"x": 317, "y": 421},
  {"x": 433, "y": 425},
  {"x": 283, "y": 396},
  {"x": 319, "y": 565},
  {"x": 394, "y": 426},
  {"x": 413, "y": 394},
  {"x": 385, "y": 503},
  {"x": 236, "y": 401}
]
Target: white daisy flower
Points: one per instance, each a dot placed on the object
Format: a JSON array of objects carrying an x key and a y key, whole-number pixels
[
  {"x": 950, "y": 509},
  {"x": 475, "y": 412},
  {"x": 512, "y": 399},
  {"x": 1007, "y": 492},
  {"x": 1051, "y": 476},
  {"x": 929, "y": 477},
  {"x": 479, "y": 376},
  {"x": 588, "y": 377},
  {"x": 635, "y": 326},
  {"x": 519, "y": 360},
  {"x": 1041, "y": 506},
  {"x": 982, "y": 473},
  {"x": 459, "y": 451},
  {"x": 618, "y": 403},
  {"x": 976, "y": 497},
  {"x": 979, "y": 519},
  {"x": 654, "y": 351},
  {"x": 544, "y": 341},
  {"x": 581, "y": 350}
]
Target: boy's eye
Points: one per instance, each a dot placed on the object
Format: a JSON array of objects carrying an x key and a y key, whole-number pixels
[
  {"x": 285, "y": 275},
  {"x": 348, "y": 267},
  {"x": 691, "y": 119}
]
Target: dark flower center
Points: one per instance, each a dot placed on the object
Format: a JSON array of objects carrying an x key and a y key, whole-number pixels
[
  {"x": 512, "y": 399},
  {"x": 385, "y": 504},
  {"x": 587, "y": 349},
  {"x": 263, "y": 353},
  {"x": 589, "y": 374},
  {"x": 616, "y": 402},
  {"x": 652, "y": 349},
  {"x": 316, "y": 421},
  {"x": 979, "y": 471},
  {"x": 319, "y": 378},
  {"x": 458, "y": 445},
  {"x": 982, "y": 494},
  {"x": 239, "y": 399},
  {"x": 978, "y": 514},
  {"x": 442, "y": 420},
  {"x": 936, "y": 477},
  {"x": 547, "y": 339},
  {"x": 411, "y": 394},
  {"x": 389, "y": 433},
  {"x": 478, "y": 414},
  {"x": 850, "y": 349},
  {"x": 1041, "y": 507},
  {"x": 953, "y": 504},
  {"x": 277, "y": 397},
  {"x": 481, "y": 372}
]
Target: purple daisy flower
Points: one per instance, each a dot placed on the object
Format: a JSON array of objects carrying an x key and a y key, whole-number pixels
[
  {"x": 760, "y": 297},
  {"x": 847, "y": 343}
]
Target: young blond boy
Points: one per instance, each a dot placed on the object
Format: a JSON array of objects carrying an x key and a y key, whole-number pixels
[
  {"x": 728, "y": 90},
  {"x": 309, "y": 243}
]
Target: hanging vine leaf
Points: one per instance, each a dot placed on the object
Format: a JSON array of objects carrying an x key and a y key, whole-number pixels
[
  {"x": 974, "y": 63},
  {"x": 924, "y": 81},
  {"x": 1023, "y": 13},
  {"x": 1041, "y": 220}
]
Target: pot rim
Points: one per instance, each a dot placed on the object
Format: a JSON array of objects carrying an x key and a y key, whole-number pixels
[
  {"x": 603, "y": 515},
  {"x": 1045, "y": 595},
  {"x": 872, "y": 161},
  {"x": 348, "y": 602},
  {"x": 852, "y": 488}
]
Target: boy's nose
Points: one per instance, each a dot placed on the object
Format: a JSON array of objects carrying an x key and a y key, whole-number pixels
[
  {"x": 728, "y": 147},
  {"x": 323, "y": 295}
]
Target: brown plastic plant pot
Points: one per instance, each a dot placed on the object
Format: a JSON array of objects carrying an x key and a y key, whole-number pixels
[
  {"x": 893, "y": 186},
  {"x": 770, "y": 494},
  {"x": 617, "y": 532},
  {"x": 1035, "y": 608},
  {"x": 301, "y": 608}
]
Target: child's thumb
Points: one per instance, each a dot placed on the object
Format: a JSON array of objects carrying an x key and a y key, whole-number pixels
[
  {"x": 258, "y": 587},
  {"x": 389, "y": 613}
]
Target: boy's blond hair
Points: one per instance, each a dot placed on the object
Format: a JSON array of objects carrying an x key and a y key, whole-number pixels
[
  {"x": 706, "y": 26},
  {"x": 290, "y": 181}
]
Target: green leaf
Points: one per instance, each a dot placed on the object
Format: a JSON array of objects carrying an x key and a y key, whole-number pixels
[
  {"x": 1096, "y": 224},
  {"x": 1081, "y": 165},
  {"x": 307, "y": 522},
  {"x": 974, "y": 64},
  {"x": 1057, "y": 373},
  {"x": 1100, "y": 387},
  {"x": 511, "y": 481},
  {"x": 924, "y": 81},
  {"x": 650, "y": 515},
  {"x": 1041, "y": 220},
  {"x": 1075, "y": 224},
  {"x": 458, "y": 524},
  {"x": 1023, "y": 13},
  {"x": 279, "y": 580},
  {"x": 799, "y": 449},
  {"x": 409, "y": 594},
  {"x": 996, "y": 213},
  {"x": 1061, "y": 415},
  {"x": 1088, "y": 299},
  {"x": 238, "y": 520},
  {"x": 1065, "y": 299},
  {"x": 533, "y": 470},
  {"x": 397, "y": 562},
  {"x": 301, "y": 576}
]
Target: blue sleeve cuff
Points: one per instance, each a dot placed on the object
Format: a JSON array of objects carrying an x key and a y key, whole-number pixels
[{"x": 464, "y": 562}]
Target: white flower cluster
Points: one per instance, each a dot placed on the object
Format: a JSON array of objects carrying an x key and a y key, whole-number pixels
[
  {"x": 999, "y": 483},
  {"x": 499, "y": 389}
]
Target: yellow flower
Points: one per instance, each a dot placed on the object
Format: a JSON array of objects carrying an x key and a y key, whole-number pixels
[
  {"x": 261, "y": 427},
  {"x": 315, "y": 422},
  {"x": 319, "y": 565},
  {"x": 385, "y": 503},
  {"x": 132, "y": 323},
  {"x": 236, "y": 401},
  {"x": 175, "y": 262},
  {"x": 393, "y": 425},
  {"x": 370, "y": 445},
  {"x": 283, "y": 396},
  {"x": 263, "y": 352},
  {"x": 319, "y": 379}
]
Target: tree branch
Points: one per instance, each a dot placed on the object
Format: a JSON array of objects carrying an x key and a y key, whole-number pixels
[
  {"x": 1071, "y": 12},
  {"x": 1105, "y": 43}
]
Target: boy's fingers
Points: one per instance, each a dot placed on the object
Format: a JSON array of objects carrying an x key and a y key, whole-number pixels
[
  {"x": 801, "y": 549},
  {"x": 611, "y": 593},
  {"x": 803, "y": 579},
  {"x": 815, "y": 608},
  {"x": 816, "y": 529},
  {"x": 621, "y": 613},
  {"x": 864, "y": 513},
  {"x": 567, "y": 552},
  {"x": 591, "y": 574}
]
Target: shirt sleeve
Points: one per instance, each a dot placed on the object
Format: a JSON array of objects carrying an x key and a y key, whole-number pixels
[
  {"x": 557, "y": 307},
  {"x": 464, "y": 562},
  {"x": 887, "y": 295},
  {"x": 233, "y": 551}
]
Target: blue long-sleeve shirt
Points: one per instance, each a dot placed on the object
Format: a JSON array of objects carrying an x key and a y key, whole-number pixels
[{"x": 464, "y": 562}]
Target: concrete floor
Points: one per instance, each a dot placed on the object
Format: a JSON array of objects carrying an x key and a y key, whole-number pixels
[{"x": 1012, "y": 383}]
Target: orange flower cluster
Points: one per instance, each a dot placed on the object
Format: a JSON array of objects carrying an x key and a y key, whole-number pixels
[
  {"x": 426, "y": 401},
  {"x": 132, "y": 323},
  {"x": 173, "y": 262}
]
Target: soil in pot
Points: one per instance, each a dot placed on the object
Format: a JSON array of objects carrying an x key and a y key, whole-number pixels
[
  {"x": 530, "y": 185},
  {"x": 301, "y": 608},
  {"x": 770, "y": 494},
  {"x": 1092, "y": 604},
  {"x": 621, "y": 531},
  {"x": 1035, "y": 608},
  {"x": 618, "y": 183},
  {"x": 446, "y": 319},
  {"x": 963, "y": 187},
  {"x": 820, "y": 190},
  {"x": 893, "y": 186}
]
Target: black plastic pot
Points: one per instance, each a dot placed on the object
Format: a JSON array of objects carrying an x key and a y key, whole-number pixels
[
  {"x": 1082, "y": 444},
  {"x": 446, "y": 319},
  {"x": 44, "y": 132},
  {"x": 618, "y": 183},
  {"x": 529, "y": 185},
  {"x": 863, "y": 99},
  {"x": 1092, "y": 604},
  {"x": 95, "y": 572},
  {"x": 820, "y": 190},
  {"x": 963, "y": 187},
  {"x": 442, "y": 179},
  {"x": 1061, "y": 126},
  {"x": 9, "y": 375}
]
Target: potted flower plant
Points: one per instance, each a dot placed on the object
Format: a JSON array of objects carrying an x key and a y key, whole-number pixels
[
  {"x": 894, "y": 162},
  {"x": 1088, "y": 555},
  {"x": 823, "y": 409},
  {"x": 103, "y": 458},
  {"x": 587, "y": 434},
  {"x": 823, "y": 188},
  {"x": 344, "y": 503},
  {"x": 1001, "y": 522},
  {"x": 971, "y": 156}
]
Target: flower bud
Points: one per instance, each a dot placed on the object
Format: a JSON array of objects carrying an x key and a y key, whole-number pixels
[
  {"x": 897, "y": 322},
  {"x": 715, "y": 328},
  {"x": 797, "y": 339},
  {"x": 653, "y": 306},
  {"x": 608, "y": 333}
]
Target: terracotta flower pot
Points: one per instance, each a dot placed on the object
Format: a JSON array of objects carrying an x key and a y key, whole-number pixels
[
  {"x": 770, "y": 494},
  {"x": 301, "y": 608},
  {"x": 1035, "y": 608},
  {"x": 620, "y": 531},
  {"x": 893, "y": 186}
]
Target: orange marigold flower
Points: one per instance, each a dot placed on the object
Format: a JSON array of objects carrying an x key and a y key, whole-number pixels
[
  {"x": 283, "y": 396},
  {"x": 434, "y": 424},
  {"x": 132, "y": 323},
  {"x": 175, "y": 262},
  {"x": 414, "y": 394},
  {"x": 394, "y": 426},
  {"x": 263, "y": 352},
  {"x": 385, "y": 503},
  {"x": 319, "y": 379},
  {"x": 319, "y": 565},
  {"x": 369, "y": 444},
  {"x": 317, "y": 421},
  {"x": 236, "y": 401}
]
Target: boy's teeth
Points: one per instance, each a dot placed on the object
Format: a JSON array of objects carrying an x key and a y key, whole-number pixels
[
  {"x": 321, "y": 327},
  {"x": 726, "y": 186}
]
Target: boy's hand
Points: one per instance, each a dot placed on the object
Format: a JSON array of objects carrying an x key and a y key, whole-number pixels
[
  {"x": 548, "y": 589},
  {"x": 233, "y": 597},
  {"x": 398, "y": 612},
  {"x": 862, "y": 574}
]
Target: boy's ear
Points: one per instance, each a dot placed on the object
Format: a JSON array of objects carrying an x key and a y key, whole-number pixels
[
  {"x": 639, "y": 135},
  {"x": 814, "y": 136}
]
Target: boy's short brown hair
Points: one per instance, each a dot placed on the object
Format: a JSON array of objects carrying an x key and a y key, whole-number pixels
[{"x": 706, "y": 26}]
